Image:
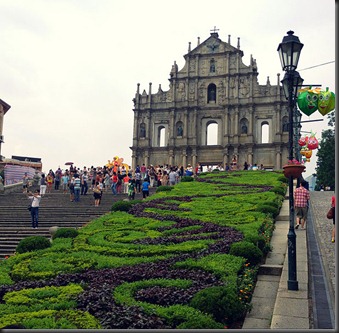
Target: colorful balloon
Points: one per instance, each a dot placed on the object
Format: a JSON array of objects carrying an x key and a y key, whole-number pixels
[
  {"x": 312, "y": 142},
  {"x": 326, "y": 102},
  {"x": 308, "y": 100}
]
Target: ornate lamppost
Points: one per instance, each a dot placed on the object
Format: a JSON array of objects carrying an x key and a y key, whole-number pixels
[{"x": 289, "y": 51}]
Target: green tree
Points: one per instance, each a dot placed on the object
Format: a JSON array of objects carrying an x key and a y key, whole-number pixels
[{"x": 326, "y": 157}]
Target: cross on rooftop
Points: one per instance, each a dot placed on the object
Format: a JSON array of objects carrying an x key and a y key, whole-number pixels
[{"x": 214, "y": 30}]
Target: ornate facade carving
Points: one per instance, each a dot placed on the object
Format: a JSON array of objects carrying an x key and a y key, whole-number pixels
[{"x": 213, "y": 87}]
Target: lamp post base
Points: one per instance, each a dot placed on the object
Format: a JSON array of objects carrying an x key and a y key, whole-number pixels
[{"x": 292, "y": 285}]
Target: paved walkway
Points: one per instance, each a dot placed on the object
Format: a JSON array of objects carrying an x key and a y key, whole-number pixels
[{"x": 312, "y": 306}]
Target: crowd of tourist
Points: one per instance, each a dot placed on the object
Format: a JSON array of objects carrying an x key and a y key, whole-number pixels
[{"x": 118, "y": 179}]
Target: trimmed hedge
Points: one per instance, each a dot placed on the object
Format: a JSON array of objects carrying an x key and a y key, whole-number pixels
[
  {"x": 248, "y": 251},
  {"x": 33, "y": 243},
  {"x": 164, "y": 188},
  {"x": 66, "y": 233},
  {"x": 187, "y": 179}
]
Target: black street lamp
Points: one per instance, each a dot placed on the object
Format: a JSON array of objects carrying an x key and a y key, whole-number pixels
[{"x": 289, "y": 51}]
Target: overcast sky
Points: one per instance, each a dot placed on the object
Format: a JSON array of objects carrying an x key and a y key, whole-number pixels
[{"x": 70, "y": 68}]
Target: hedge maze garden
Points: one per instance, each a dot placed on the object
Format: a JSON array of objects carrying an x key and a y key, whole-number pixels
[{"x": 184, "y": 258}]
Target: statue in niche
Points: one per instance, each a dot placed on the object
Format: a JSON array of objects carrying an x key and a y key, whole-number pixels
[
  {"x": 180, "y": 130},
  {"x": 142, "y": 131},
  {"x": 243, "y": 128},
  {"x": 285, "y": 125},
  {"x": 212, "y": 66},
  {"x": 212, "y": 95}
]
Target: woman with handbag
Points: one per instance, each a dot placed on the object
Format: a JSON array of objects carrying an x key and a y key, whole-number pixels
[{"x": 333, "y": 208}]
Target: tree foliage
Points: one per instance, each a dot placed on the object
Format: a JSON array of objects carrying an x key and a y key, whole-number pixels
[{"x": 326, "y": 157}]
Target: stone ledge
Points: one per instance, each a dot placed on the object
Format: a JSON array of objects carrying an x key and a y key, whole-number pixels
[{"x": 270, "y": 270}]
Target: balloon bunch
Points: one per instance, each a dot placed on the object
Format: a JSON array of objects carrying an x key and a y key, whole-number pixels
[
  {"x": 116, "y": 163},
  {"x": 310, "y": 100},
  {"x": 307, "y": 144}
]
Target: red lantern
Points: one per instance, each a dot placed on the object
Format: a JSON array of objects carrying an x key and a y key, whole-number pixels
[
  {"x": 303, "y": 141},
  {"x": 312, "y": 142}
]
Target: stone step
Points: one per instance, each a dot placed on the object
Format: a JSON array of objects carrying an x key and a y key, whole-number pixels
[{"x": 56, "y": 210}]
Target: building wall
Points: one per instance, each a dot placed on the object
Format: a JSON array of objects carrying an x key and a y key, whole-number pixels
[{"x": 213, "y": 87}]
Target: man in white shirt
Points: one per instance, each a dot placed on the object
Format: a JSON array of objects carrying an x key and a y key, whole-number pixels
[{"x": 35, "y": 203}]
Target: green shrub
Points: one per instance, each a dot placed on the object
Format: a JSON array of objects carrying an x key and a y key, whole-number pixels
[
  {"x": 282, "y": 179},
  {"x": 248, "y": 251},
  {"x": 33, "y": 243},
  {"x": 187, "y": 179},
  {"x": 279, "y": 190},
  {"x": 66, "y": 233},
  {"x": 260, "y": 242},
  {"x": 222, "y": 302},
  {"x": 268, "y": 209},
  {"x": 123, "y": 206},
  {"x": 215, "y": 170},
  {"x": 164, "y": 188},
  {"x": 201, "y": 322}
]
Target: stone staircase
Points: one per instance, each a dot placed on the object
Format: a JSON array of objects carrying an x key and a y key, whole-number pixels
[{"x": 56, "y": 209}]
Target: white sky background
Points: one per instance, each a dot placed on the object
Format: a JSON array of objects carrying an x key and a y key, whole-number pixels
[{"x": 70, "y": 68}]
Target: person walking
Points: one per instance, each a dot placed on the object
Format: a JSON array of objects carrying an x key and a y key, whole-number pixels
[
  {"x": 65, "y": 182},
  {"x": 43, "y": 185},
  {"x": 172, "y": 177},
  {"x": 137, "y": 176},
  {"x": 84, "y": 184},
  {"x": 132, "y": 189},
  {"x": 57, "y": 179},
  {"x": 25, "y": 183},
  {"x": 35, "y": 203},
  {"x": 333, "y": 229},
  {"x": 301, "y": 198},
  {"x": 126, "y": 180},
  {"x": 114, "y": 179},
  {"x": 145, "y": 188},
  {"x": 97, "y": 193},
  {"x": 77, "y": 187},
  {"x": 50, "y": 181},
  {"x": 71, "y": 189}
]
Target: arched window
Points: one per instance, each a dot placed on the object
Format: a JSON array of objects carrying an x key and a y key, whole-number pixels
[
  {"x": 161, "y": 136},
  {"x": 212, "y": 66},
  {"x": 212, "y": 134},
  {"x": 212, "y": 91},
  {"x": 265, "y": 131}
]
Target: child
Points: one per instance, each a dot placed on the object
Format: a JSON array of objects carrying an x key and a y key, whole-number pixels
[
  {"x": 132, "y": 189},
  {"x": 145, "y": 188}
]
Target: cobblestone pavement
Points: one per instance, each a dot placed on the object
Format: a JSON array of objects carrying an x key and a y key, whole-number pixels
[{"x": 320, "y": 203}]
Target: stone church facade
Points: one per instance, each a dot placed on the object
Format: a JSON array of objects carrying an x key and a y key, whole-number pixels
[{"x": 213, "y": 87}]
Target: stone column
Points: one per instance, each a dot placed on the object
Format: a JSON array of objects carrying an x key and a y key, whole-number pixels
[{"x": 184, "y": 158}]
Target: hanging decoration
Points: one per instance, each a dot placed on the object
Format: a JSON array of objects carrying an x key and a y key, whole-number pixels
[
  {"x": 307, "y": 153},
  {"x": 117, "y": 163},
  {"x": 308, "y": 100},
  {"x": 326, "y": 102},
  {"x": 308, "y": 143}
]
